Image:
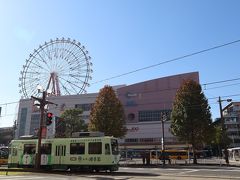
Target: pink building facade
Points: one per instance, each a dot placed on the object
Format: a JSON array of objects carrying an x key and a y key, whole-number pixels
[{"x": 145, "y": 104}]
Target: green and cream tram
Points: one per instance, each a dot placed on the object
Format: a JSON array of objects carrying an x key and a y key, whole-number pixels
[{"x": 82, "y": 153}]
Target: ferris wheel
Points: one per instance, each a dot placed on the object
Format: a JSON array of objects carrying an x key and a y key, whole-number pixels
[{"x": 61, "y": 66}]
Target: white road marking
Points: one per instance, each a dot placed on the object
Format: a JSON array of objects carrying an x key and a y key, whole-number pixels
[{"x": 185, "y": 172}]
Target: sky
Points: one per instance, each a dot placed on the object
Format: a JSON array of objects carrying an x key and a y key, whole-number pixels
[{"x": 122, "y": 36}]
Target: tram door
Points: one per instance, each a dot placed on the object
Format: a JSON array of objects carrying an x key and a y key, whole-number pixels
[{"x": 60, "y": 153}]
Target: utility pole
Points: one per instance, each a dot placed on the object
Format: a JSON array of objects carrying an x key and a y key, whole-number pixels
[
  {"x": 223, "y": 135},
  {"x": 163, "y": 145},
  {"x": 42, "y": 102},
  {"x": 163, "y": 119}
]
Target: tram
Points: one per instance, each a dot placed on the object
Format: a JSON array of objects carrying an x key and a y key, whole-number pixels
[{"x": 76, "y": 153}]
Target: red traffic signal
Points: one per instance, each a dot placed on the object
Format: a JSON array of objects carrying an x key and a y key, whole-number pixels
[{"x": 49, "y": 117}]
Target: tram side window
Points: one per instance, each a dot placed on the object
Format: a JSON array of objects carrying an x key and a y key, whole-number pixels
[
  {"x": 94, "y": 148},
  {"x": 77, "y": 148},
  {"x": 107, "y": 149},
  {"x": 114, "y": 145},
  {"x": 29, "y": 149},
  {"x": 46, "y": 148}
]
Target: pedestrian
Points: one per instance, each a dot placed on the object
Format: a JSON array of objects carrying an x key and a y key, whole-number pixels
[
  {"x": 148, "y": 158},
  {"x": 143, "y": 157}
]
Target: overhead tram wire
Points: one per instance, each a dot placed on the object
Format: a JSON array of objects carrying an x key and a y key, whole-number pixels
[{"x": 168, "y": 61}]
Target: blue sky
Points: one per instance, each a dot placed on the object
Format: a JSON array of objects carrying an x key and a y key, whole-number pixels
[{"x": 123, "y": 36}]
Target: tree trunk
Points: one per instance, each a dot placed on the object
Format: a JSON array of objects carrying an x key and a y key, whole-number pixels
[
  {"x": 194, "y": 154},
  {"x": 226, "y": 156},
  {"x": 194, "y": 157}
]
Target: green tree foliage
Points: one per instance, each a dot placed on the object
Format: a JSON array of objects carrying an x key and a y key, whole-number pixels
[
  {"x": 107, "y": 114},
  {"x": 70, "y": 122},
  {"x": 191, "y": 117},
  {"x": 220, "y": 137}
]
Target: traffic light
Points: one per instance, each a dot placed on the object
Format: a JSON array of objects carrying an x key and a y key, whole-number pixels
[{"x": 49, "y": 117}]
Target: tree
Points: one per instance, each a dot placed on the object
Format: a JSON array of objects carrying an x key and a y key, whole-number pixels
[
  {"x": 220, "y": 138},
  {"x": 191, "y": 117},
  {"x": 107, "y": 114},
  {"x": 70, "y": 121}
]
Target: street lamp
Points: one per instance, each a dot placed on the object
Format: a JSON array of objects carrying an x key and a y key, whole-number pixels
[{"x": 223, "y": 128}]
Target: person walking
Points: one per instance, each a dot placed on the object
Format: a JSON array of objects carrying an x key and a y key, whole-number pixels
[{"x": 143, "y": 157}]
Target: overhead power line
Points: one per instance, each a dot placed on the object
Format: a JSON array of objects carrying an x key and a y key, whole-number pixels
[
  {"x": 217, "y": 82},
  {"x": 171, "y": 60},
  {"x": 9, "y": 103},
  {"x": 226, "y": 96},
  {"x": 216, "y": 87}
]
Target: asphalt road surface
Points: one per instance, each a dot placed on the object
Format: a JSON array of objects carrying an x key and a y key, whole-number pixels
[{"x": 127, "y": 173}]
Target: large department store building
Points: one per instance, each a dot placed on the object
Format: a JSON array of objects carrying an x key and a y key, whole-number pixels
[{"x": 145, "y": 105}]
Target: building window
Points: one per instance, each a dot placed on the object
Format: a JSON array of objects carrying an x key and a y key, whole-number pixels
[
  {"x": 147, "y": 140},
  {"x": 236, "y": 140},
  {"x": 84, "y": 107},
  {"x": 151, "y": 115},
  {"x": 131, "y": 116},
  {"x": 131, "y": 103},
  {"x": 35, "y": 122},
  {"x": 23, "y": 119},
  {"x": 231, "y": 119},
  {"x": 131, "y": 140}
]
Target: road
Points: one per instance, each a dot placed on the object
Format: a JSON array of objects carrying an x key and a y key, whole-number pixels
[
  {"x": 128, "y": 173},
  {"x": 206, "y": 172}
]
